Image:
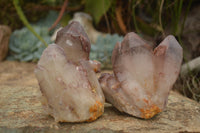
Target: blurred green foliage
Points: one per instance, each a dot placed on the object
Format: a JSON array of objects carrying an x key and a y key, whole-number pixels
[
  {"x": 97, "y": 8},
  {"x": 102, "y": 49},
  {"x": 25, "y": 21},
  {"x": 9, "y": 15},
  {"x": 143, "y": 16},
  {"x": 24, "y": 46}
]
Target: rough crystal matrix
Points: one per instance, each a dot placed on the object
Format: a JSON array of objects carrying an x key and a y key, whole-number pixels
[
  {"x": 70, "y": 88},
  {"x": 142, "y": 77}
]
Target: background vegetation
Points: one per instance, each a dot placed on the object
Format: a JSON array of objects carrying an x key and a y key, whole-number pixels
[
  {"x": 151, "y": 19},
  {"x": 115, "y": 16}
]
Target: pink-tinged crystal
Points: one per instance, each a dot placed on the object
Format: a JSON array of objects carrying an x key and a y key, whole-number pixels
[
  {"x": 71, "y": 91},
  {"x": 142, "y": 77}
]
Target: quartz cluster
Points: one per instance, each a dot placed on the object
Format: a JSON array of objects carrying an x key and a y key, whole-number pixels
[
  {"x": 142, "y": 76},
  {"x": 140, "y": 83},
  {"x": 70, "y": 89}
]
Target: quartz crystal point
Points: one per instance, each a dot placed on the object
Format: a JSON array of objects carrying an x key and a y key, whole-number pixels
[
  {"x": 142, "y": 77},
  {"x": 70, "y": 89}
]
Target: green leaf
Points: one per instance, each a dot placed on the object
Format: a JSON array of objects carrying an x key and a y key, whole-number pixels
[
  {"x": 97, "y": 8},
  {"x": 65, "y": 19}
]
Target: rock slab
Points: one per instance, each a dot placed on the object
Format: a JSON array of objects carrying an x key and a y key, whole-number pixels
[{"x": 21, "y": 110}]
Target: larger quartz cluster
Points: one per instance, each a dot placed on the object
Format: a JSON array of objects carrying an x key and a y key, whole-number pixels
[
  {"x": 71, "y": 91},
  {"x": 142, "y": 77}
]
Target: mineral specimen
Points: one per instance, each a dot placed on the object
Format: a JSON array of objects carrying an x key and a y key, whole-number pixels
[
  {"x": 142, "y": 77},
  {"x": 71, "y": 91}
]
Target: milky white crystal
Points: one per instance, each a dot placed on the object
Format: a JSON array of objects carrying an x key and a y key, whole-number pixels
[{"x": 70, "y": 88}]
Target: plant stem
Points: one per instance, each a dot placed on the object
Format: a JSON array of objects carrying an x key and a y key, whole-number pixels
[
  {"x": 106, "y": 17},
  {"x": 119, "y": 17},
  {"x": 160, "y": 18},
  {"x": 187, "y": 10},
  {"x": 134, "y": 18},
  {"x": 25, "y": 21},
  {"x": 60, "y": 15}
]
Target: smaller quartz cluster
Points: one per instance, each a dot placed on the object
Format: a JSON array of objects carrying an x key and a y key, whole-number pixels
[{"x": 70, "y": 89}]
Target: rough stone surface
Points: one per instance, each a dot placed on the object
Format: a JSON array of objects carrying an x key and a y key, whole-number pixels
[
  {"x": 5, "y": 32},
  {"x": 21, "y": 110}
]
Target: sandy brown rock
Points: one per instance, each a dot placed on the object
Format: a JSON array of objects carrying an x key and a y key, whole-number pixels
[
  {"x": 21, "y": 110},
  {"x": 5, "y": 32}
]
